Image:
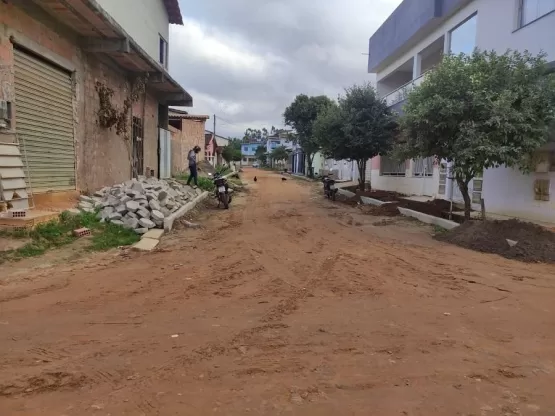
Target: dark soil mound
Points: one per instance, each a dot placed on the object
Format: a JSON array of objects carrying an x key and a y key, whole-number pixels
[
  {"x": 349, "y": 200},
  {"x": 385, "y": 196},
  {"x": 386, "y": 210},
  {"x": 534, "y": 243},
  {"x": 437, "y": 207}
]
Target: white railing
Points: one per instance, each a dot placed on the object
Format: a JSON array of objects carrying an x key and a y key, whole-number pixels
[{"x": 403, "y": 91}]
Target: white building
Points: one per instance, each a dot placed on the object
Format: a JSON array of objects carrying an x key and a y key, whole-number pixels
[{"x": 412, "y": 41}]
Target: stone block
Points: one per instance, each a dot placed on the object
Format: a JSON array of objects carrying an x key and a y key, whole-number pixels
[
  {"x": 141, "y": 231},
  {"x": 131, "y": 223},
  {"x": 155, "y": 234},
  {"x": 124, "y": 199},
  {"x": 117, "y": 222},
  {"x": 146, "y": 223},
  {"x": 132, "y": 215},
  {"x": 121, "y": 209},
  {"x": 157, "y": 216},
  {"x": 154, "y": 205},
  {"x": 146, "y": 244},
  {"x": 138, "y": 187},
  {"x": 85, "y": 205},
  {"x": 143, "y": 213},
  {"x": 114, "y": 216},
  {"x": 162, "y": 195},
  {"x": 132, "y": 206},
  {"x": 85, "y": 198}
]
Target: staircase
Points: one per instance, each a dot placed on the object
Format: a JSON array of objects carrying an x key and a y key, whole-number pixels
[{"x": 14, "y": 194}]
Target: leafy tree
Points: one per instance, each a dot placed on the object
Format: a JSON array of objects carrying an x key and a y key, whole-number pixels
[
  {"x": 279, "y": 153},
  {"x": 255, "y": 135},
  {"x": 301, "y": 115},
  {"x": 232, "y": 152},
  {"x": 358, "y": 128},
  {"x": 261, "y": 155},
  {"x": 480, "y": 111}
]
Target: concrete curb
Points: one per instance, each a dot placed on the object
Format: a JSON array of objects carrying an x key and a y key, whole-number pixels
[
  {"x": 371, "y": 201},
  {"x": 429, "y": 219},
  {"x": 346, "y": 193},
  {"x": 168, "y": 221}
]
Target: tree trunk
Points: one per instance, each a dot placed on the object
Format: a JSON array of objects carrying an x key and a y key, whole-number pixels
[
  {"x": 310, "y": 158},
  {"x": 463, "y": 186},
  {"x": 361, "y": 164}
]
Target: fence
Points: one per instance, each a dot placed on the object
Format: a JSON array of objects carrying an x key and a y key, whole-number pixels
[
  {"x": 391, "y": 167},
  {"x": 423, "y": 166}
]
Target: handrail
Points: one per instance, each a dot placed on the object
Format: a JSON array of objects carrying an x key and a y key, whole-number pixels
[{"x": 401, "y": 93}]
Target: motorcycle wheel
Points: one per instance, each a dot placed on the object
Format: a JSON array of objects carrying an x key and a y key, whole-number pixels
[{"x": 225, "y": 200}]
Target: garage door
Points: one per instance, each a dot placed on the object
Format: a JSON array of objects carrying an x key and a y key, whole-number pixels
[{"x": 44, "y": 122}]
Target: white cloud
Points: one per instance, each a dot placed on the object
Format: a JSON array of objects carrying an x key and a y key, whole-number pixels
[{"x": 246, "y": 60}]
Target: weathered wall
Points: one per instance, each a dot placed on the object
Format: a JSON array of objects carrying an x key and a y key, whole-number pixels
[
  {"x": 102, "y": 157},
  {"x": 148, "y": 21},
  {"x": 190, "y": 135}
]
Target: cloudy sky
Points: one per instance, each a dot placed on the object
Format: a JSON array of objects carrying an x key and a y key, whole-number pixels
[{"x": 246, "y": 60}]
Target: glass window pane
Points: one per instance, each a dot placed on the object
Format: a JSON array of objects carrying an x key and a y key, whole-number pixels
[
  {"x": 545, "y": 6},
  {"x": 529, "y": 10},
  {"x": 534, "y": 9},
  {"x": 463, "y": 38}
]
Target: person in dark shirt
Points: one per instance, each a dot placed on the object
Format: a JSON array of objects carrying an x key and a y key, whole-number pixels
[{"x": 192, "y": 157}]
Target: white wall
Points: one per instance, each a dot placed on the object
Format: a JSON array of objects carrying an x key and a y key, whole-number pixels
[
  {"x": 144, "y": 20},
  {"x": 508, "y": 192},
  {"x": 427, "y": 40},
  {"x": 503, "y": 35},
  {"x": 408, "y": 185}
]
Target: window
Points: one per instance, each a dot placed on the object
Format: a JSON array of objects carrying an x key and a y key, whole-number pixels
[
  {"x": 442, "y": 178},
  {"x": 541, "y": 189},
  {"x": 391, "y": 167},
  {"x": 477, "y": 187},
  {"x": 163, "y": 52},
  {"x": 423, "y": 166},
  {"x": 463, "y": 37},
  {"x": 531, "y": 10}
]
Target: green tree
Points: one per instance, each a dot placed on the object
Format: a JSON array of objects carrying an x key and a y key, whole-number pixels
[
  {"x": 255, "y": 135},
  {"x": 301, "y": 115},
  {"x": 232, "y": 152},
  {"x": 261, "y": 155},
  {"x": 358, "y": 128},
  {"x": 480, "y": 111},
  {"x": 279, "y": 153}
]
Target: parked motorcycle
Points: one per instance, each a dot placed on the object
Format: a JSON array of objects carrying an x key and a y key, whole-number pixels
[
  {"x": 330, "y": 191},
  {"x": 222, "y": 192}
]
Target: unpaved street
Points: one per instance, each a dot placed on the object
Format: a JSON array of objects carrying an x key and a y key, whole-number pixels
[{"x": 286, "y": 304}]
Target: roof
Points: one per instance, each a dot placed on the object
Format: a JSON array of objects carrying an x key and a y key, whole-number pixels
[
  {"x": 102, "y": 35},
  {"x": 174, "y": 13},
  {"x": 180, "y": 114}
]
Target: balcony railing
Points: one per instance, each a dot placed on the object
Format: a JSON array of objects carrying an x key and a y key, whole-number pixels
[{"x": 401, "y": 93}]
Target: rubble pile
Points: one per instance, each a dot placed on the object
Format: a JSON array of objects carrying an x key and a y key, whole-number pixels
[{"x": 139, "y": 204}]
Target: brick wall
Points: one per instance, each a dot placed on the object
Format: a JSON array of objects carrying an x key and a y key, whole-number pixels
[
  {"x": 102, "y": 157},
  {"x": 190, "y": 135}
]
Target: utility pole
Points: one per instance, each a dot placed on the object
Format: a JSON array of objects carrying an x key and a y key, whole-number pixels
[{"x": 214, "y": 126}]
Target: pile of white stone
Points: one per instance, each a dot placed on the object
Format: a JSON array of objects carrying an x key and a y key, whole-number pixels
[{"x": 139, "y": 204}]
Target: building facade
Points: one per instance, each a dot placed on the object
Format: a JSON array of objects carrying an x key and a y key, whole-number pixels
[
  {"x": 87, "y": 102},
  {"x": 248, "y": 153},
  {"x": 187, "y": 131},
  {"x": 411, "y": 42}
]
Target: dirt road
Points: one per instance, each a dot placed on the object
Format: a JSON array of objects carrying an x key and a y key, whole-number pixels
[{"x": 284, "y": 305}]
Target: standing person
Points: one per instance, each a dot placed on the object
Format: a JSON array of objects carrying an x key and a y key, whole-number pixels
[{"x": 192, "y": 157}]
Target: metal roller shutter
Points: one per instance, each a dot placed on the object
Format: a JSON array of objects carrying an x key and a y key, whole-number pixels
[{"x": 44, "y": 122}]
